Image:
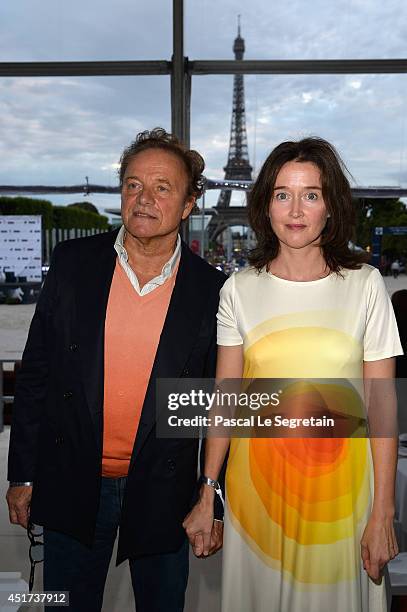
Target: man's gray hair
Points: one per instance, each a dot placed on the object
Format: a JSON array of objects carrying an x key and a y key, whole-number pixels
[{"x": 158, "y": 138}]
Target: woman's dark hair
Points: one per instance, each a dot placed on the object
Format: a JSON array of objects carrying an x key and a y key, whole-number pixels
[
  {"x": 336, "y": 193},
  {"x": 158, "y": 138}
]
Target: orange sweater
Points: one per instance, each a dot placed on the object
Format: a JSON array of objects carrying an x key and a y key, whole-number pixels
[{"x": 132, "y": 332}]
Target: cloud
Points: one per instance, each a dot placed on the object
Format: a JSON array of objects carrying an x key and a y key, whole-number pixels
[
  {"x": 59, "y": 130},
  {"x": 45, "y": 30}
]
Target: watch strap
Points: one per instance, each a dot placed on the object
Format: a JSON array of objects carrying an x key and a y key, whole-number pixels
[{"x": 14, "y": 483}]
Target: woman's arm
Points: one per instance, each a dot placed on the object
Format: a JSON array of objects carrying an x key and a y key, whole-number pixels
[
  {"x": 378, "y": 544},
  {"x": 199, "y": 522}
]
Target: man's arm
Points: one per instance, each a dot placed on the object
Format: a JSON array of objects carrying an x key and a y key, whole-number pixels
[{"x": 29, "y": 401}]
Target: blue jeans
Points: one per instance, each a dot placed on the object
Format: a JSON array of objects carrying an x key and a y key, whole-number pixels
[{"x": 159, "y": 581}]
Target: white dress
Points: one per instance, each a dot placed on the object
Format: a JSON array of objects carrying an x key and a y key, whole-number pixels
[{"x": 296, "y": 508}]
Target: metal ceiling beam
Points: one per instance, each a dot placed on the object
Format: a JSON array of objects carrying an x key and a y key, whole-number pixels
[
  {"x": 340, "y": 66},
  {"x": 180, "y": 85},
  {"x": 85, "y": 189},
  {"x": 184, "y": 68},
  {"x": 89, "y": 188},
  {"x": 180, "y": 79},
  {"x": 59, "y": 69}
]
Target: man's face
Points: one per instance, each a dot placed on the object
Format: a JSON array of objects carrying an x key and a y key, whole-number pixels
[{"x": 154, "y": 197}]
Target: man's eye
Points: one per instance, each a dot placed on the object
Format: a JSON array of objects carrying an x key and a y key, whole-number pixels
[
  {"x": 133, "y": 185},
  {"x": 162, "y": 188},
  {"x": 312, "y": 196}
]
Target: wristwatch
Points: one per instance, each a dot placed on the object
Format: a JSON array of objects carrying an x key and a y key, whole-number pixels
[
  {"x": 210, "y": 482},
  {"x": 215, "y": 485}
]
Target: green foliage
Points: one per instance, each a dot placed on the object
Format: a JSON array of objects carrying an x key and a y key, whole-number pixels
[
  {"x": 86, "y": 206},
  {"x": 381, "y": 213},
  {"x": 27, "y": 206},
  {"x": 63, "y": 217},
  {"x": 72, "y": 217}
]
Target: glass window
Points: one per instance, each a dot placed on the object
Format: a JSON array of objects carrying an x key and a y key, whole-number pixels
[
  {"x": 364, "y": 116},
  {"x": 57, "y": 131},
  {"x": 45, "y": 30},
  {"x": 297, "y": 30}
]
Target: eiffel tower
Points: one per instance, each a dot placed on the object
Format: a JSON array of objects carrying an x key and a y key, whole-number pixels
[{"x": 238, "y": 166}]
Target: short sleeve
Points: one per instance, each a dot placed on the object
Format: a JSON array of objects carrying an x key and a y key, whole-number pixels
[
  {"x": 228, "y": 332},
  {"x": 381, "y": 334}
]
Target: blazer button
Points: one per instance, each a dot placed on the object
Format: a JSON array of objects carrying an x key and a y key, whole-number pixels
[
  {"x": 59, "y": 440},
  {"x": 171, "y": 465},
  {"x": 68, "y": 395},
  {"x": 73, "y": 347},
  {"x": 185, "y": 372}
]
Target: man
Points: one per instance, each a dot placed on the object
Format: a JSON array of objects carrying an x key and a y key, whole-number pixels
[{"x": 117, "y": 311}]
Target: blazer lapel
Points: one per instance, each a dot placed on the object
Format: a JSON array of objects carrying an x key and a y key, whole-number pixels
[{"x": 180, "y": 329}]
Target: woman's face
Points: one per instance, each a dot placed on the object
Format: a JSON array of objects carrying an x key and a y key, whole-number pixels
[{"x": 297, "y": 209}]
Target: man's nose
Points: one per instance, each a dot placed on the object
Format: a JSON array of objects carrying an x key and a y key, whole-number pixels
[{"x": 146, "y": 195}]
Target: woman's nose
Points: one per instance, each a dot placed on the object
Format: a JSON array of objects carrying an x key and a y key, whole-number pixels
[{"x": 296, "y": 206}]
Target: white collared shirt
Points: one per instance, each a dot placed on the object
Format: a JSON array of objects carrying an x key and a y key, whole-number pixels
[{"x": 166, "y": 272}]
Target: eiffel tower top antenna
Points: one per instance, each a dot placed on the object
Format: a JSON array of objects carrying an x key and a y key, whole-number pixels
[
  {"x": 238, "y": 165},
  {"x": 238, "y": 47}
]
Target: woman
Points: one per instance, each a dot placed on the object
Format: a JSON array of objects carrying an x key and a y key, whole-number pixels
[{"x": 303, "y": 529}]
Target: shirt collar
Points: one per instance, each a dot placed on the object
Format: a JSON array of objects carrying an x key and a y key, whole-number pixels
[{"x": 167, "y": 269}]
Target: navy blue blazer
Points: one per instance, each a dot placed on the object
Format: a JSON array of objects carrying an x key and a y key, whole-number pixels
[{"x": 57, "y": 423}]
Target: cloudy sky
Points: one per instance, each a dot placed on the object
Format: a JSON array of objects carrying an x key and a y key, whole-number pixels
[{"x": 58, "y": 130}]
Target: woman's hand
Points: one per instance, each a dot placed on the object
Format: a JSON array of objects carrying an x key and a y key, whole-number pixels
[
  {"x": 198, "y": 524},
  {"x": 378, "y": 545}
]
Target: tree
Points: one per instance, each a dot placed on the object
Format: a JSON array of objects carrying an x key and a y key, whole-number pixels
[
  {"x": 86, "y": 206},
  {"x": 371, "y": 213},
  {"x": 63, "y": 217}
]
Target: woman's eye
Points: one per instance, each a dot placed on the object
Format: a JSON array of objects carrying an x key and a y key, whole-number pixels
[
  {"x": 281, "y": 197},
  {"x": 312, "y": 197}
]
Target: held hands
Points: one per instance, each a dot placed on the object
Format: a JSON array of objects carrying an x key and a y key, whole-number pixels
[
  {"x": 378, "y": 545},
  {"x": 18, "y": 500},
  {"x": 205, "y": 535}
]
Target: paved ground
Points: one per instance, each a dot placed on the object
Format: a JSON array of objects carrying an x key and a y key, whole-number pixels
[
  {"x": 15, "y": 321},
  {"x": 204, "y": 582},
  {"x": 14, "y": 324},
  {"x": 395, "y": 284}
]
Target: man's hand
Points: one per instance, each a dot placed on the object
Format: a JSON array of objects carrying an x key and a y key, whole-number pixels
[
  {"x": 204, "y": 533},
  {"x": 203, "y": 546},
  {"x": 198, "y": 524},
  {"x": 18, "y": 500}
]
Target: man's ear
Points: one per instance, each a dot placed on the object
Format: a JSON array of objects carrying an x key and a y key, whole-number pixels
[{"x": 188, "y": 206}]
